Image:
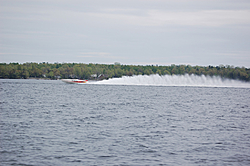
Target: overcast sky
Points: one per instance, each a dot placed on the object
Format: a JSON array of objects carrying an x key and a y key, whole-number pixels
[{"x": 144, "y": 32}]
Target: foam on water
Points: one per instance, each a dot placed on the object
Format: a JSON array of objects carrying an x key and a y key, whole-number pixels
[{"x": 176, "y": 80}]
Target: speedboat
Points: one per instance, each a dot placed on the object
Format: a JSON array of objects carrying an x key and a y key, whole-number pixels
[{"x": 74, "y": 81}]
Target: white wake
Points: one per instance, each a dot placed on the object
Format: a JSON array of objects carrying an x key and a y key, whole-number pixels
[{"x": 176, "y": 80}]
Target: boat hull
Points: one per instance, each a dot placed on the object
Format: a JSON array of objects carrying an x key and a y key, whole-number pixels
[{"x": 74, "y": 81}]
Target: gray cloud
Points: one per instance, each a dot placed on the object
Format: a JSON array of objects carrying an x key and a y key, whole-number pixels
[{"x": 207, "y": 32}]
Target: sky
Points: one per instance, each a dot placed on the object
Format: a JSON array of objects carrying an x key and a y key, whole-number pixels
[{"x": 136, "y": 32}]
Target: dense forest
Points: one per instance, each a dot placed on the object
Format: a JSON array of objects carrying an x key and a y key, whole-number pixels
[{"x": 105, "y": 71}]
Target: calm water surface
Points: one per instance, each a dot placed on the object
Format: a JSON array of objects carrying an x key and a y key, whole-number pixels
[{"x": 53, "y": 123}]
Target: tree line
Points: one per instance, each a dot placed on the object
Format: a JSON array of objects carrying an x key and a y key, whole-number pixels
[{"x": 105, "y": 71}]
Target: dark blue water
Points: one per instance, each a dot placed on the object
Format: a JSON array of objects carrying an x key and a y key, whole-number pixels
[{"x": 53, "y": 123}]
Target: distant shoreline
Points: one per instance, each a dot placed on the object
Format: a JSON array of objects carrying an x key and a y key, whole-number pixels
[
  {"x": 28, "y": 79},
  {"x": 46, "y": 71}
]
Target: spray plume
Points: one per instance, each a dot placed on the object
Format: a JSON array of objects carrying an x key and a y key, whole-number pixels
[{"x": 176, "y": 80}]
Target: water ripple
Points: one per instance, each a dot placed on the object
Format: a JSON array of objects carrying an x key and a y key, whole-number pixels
[{"x": 51, "y": 123}]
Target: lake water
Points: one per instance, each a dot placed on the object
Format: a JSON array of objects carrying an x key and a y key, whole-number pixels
[{"x": 45, "y": 122}]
